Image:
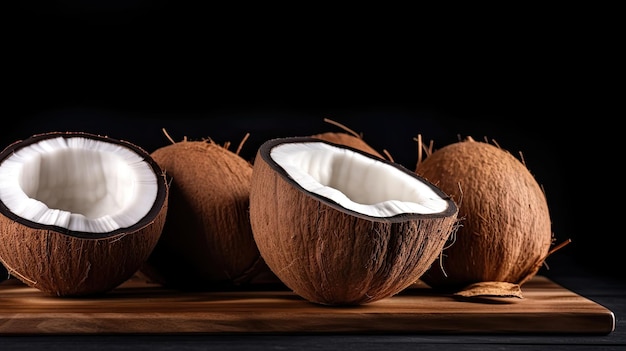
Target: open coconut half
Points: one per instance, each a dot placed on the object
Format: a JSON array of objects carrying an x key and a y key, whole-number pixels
[
  {"x": 340, "y": 226},
  {"x": 80, "y": 213}
]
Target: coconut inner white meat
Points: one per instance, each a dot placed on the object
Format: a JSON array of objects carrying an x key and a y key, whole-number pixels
[
  {"x": 78, "y": 183},
  {"x": 356, "y": 182}
]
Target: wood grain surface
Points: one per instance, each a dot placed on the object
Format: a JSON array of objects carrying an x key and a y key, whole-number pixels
[{"x": 137, "y": 307}]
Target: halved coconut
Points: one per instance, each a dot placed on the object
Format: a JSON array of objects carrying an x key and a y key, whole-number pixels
[
  {"x": 340, "y": 226},
  {"x": 80, "y": 213}
]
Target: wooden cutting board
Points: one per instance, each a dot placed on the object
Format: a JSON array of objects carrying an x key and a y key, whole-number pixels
[{"x": 137, "y": 307}]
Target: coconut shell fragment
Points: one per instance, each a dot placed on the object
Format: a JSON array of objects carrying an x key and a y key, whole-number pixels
[
  {"x": 495, "y": 289},
  {"x": 340, "y": 226},
  {"x": 505, "y": 233}
]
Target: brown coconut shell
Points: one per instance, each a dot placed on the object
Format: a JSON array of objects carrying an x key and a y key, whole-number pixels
[
  {"x": 330, "y": 255},
  {"x": 347, "y": 137},
  {"x": 348, "y": 140},
  {"x": 207, "y": 241},
  {"x": 505, "y": 232},
  {"x": 62, "y": 262}
]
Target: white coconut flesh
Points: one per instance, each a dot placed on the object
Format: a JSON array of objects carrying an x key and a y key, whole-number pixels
[
  {"x": 355, "y": 181},
  {"x": 78, "y": 183}
]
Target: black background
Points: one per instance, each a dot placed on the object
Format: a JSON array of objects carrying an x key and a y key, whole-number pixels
[{"x": 540, "y": 81}]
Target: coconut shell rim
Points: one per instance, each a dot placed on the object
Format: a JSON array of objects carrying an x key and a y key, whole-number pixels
[
  {"x": 157, "y": 206},
  {"x": 265, "y": 150}
]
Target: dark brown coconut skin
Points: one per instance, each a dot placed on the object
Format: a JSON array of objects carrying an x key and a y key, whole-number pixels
[
  {"x": 506, "y": 230},
  {"x": 332, "y": 256},
  {"x": 207, "y": 241},
  {"x": 68, "y": 263}
]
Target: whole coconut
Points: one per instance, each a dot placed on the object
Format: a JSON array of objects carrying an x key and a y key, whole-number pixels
[
  {"x": 207, "y": 241},
  {"x": 348, "y": 140},
  {"x": 347, "y": 137},
  {"x": 505, "y": 233}
]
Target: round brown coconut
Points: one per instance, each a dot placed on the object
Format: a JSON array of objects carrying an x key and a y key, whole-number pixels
[
  {"x": 79, "y": 213},
  {"x": 340, "y": 226},
  {"x": 347, "y": 137},
  {"x": 207, "y": 241},
  {"x": 348, "y": 140},
  {"x": 505, "y": 233}
]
